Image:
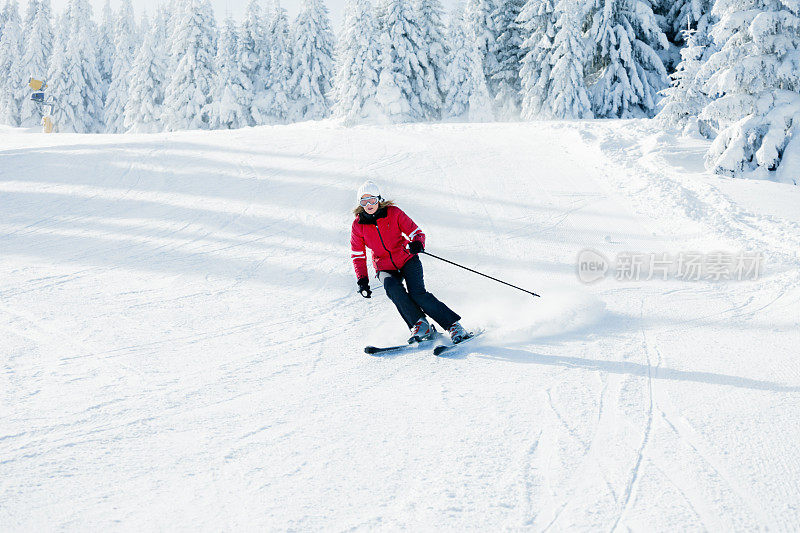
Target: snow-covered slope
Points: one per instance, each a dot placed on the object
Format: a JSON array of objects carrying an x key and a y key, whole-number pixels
[{"x": 181, "y": 340}]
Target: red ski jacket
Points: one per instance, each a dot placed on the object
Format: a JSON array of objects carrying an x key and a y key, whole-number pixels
[{"x": 386, "y": 234}]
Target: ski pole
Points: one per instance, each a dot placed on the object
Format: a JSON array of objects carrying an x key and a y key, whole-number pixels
[{"x": 481, "y": 273}]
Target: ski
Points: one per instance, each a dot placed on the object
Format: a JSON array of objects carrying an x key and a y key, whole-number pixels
[
  {"x": 373, "y": 350},
  {"x": 439, "y": 350}
]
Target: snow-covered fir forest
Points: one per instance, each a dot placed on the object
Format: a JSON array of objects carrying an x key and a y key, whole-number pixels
[{"x": 727, "y": 69}]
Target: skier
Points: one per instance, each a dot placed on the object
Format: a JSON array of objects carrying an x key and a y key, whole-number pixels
[{"x": 395, "y": 240}]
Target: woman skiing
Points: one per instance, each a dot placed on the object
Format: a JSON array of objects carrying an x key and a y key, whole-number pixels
[{"x": 395, "y": 240}]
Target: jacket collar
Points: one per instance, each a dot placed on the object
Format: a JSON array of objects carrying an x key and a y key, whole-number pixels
[{"x": 364, "y": 218}]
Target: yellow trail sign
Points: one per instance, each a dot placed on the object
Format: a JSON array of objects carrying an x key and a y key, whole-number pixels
[{"x": 36, "y": 85}]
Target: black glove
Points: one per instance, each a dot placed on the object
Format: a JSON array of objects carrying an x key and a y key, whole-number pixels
[
  {"x": 415, "y": 247},
  {"x": 363, "y": 287}
]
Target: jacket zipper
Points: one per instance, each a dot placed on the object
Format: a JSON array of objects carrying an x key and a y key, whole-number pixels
[{"x": 384, "y": 246}]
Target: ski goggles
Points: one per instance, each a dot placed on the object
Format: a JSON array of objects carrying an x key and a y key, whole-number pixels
[{"x": 371, "y": 200}]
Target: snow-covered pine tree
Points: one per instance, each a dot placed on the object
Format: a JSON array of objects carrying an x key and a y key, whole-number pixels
[
  {"x": 19, "y": 87},
  {"x": 357, "y": 64},
  {"x": 392, "y": 99},
  {"x": 144, "y": 107},
  {"x": 482, "y": 31},
  {"x": 568, "y": 97},
  {"x": 106, "y": 46},
  {"x": 458, "y": 81},
  {"x": 232, "y": 91},
  {"x": 628, "y": 70},
  {"x": 431, "y": 53},
  {"x": 254, "y": 58},
  {"x": 312, "y": 62},
  {"x": 27, "y": 22},
  {"x": 85, "y": 87},
  {"x": 277, "y": 99},
  {"x": 685, "y": 99},
  {"x": 124, "y": 55},
  {"x": 175, "y": 13},
  {"x": 508, "y": 51},
  {"x": 160, "y": 28},
  {"x": 660, "y": 9},
  {"x": 74, "y": 80},
  {"x": 686, "y": 14},
  {"x": 480, "y": 100},
  {"x": 467, "y": 93},
  {"x": 538, "y": 20},
  {"x": 5, "y": 14},
  {"x": 37, "y": 49},
  {"x": 30, "y": 14},
  {"x": 10, "y": 54},
  {"x": 400, "y": 65},
  {"x": 187, "y": 99},
  {"x": 57, "y": 74},
  {"x": 143, "y": 28},
  {"x": 756, "y": 79},
  {"x": 671, "y": 54}
]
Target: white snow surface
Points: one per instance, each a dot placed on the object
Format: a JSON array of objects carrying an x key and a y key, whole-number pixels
[{"x": 181, "y": 339}]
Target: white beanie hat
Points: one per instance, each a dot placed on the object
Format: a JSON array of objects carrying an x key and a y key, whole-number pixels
[{"x": 368, "y": 187}]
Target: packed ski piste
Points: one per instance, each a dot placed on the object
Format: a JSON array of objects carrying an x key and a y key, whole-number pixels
[{"x": 567, "y": 326}]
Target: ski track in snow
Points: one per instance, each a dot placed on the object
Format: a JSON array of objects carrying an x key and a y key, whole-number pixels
[{"x": 182, "y": 341}]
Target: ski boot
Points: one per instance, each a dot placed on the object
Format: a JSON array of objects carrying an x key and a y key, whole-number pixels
[
  {"x": 458, "y": 333},
  {"x": 421, "y": 331}
]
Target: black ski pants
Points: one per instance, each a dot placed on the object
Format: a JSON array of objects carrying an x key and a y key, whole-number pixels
[{"x": 416, "y": 302}]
